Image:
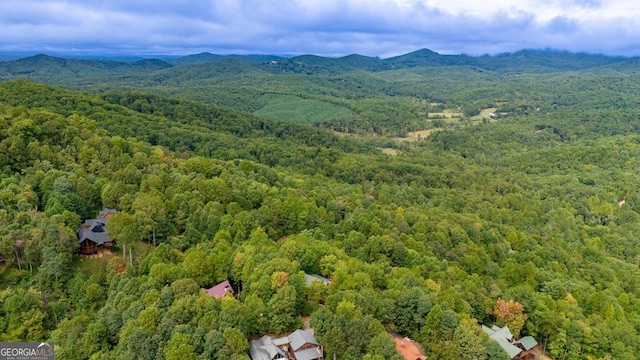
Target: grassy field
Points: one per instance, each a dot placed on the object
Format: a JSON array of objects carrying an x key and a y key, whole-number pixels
[
  {"x": 446, "y": 114},
  {"x": 299, "y": 110}
]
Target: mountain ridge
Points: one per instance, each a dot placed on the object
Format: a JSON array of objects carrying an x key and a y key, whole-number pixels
[{"x": 523, "y": 60}]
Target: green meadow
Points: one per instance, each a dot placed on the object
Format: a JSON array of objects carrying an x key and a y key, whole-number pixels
[{"x": 296, "y": 109}]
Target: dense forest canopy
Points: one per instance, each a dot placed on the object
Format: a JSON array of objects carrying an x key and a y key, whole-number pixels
[{"x": 521, "y": 207}]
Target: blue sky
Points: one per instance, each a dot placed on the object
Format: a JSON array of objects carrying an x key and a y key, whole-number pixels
[{"x": 324, "y": 27}]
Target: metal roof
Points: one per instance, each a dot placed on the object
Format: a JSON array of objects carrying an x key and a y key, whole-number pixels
[
  {"x": 265, "y": 349},
  {"x": 504, "y": 337},
  {"x": 94, "y": 230},
  {"x": 310, "y": 278},
  {"x": 299, "y": 338},
  {"x": 309, "y": 354},
  {"x": 220, "y": 290},
  {"x": 528, "y": 342}
]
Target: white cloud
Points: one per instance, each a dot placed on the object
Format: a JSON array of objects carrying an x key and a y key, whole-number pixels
[{"x": 325, "y": 27}]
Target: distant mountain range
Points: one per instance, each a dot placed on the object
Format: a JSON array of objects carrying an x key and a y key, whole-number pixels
[{"x": 44, "y": 66}]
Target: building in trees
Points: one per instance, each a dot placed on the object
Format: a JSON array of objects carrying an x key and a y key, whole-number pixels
[
  {"x": 408, "y": 349},
  {"x": 220, "y": 290},
  {"x": 310, "y": 278},
  {"x": 92, "y": 234},
  {"x": 299, "y": 345},
  {"x": 526, "y": 348},
  {"x": 265, "y": 349}
]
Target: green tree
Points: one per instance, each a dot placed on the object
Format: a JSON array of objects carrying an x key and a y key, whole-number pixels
[
  {"x": 179, "y": 348},
  {"x": 469, "y": 341},
  {"x": 123, "y": 228}
]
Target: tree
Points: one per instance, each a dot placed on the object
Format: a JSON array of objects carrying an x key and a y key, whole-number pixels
[
  {"x": 469, "y": 341},
  {"x": 282, "y": 309},
  {"x": 123, "y": 228},
  {"x": 149, "y": 211},
  {"x": 179, "y": 348},
  {"x": 511, "y": 314},
  {"x": 431, "y": 332},
  {"x": 198, "y": 267},
  {"x": 235, "y": 341},
  {"x": 382, "y": 345}
]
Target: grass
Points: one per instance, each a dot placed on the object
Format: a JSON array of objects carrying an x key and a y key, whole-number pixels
[
  {"x": 299, "y": 110},
  {"x": 94, "y": 266}
]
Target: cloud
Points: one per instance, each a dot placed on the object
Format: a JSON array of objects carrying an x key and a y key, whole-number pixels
[{"x": 324, "y": 27}]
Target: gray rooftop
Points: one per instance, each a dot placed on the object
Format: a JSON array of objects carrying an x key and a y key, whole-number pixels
[
  {"x": 310, "y": 278},
  {"x": 527, "y": 342},
  {"x": 299, "y": 338},
  {"x": 94, "y": 230},
  {"x": 309, "y": 354},
  {"x": 503, "y": 337},
  {"x": 281, "y": 341},
  {"x": 265, "y": 349}
]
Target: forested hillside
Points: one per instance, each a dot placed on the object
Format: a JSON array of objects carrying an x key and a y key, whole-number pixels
[{"x": 536, "y": 206}]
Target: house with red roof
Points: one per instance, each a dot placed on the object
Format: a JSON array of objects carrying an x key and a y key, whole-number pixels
[
  {"x": 220, "y": 290},
  {"x": 408, "y": 349}
]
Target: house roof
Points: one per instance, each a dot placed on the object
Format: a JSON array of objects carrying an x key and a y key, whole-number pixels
[
  {"x": 511, "y": 349},
  {"x": 265, "y": 349},
  {"x": 94, "y": 230},
  {"x": 299, "y": 338},
  {"x": 220, "y": 290},
  {"x": 504, "y": 337},
  {"x": 498, "y": 332},
  {"x": 106, "y": 213},
  {"x": 309, "y": 354},
  {"x": 281, "y": 341},
  {"x": 408, "y": 349},
  {"x": 527, "y": 342},
  {"x": 310, "y": 278}
]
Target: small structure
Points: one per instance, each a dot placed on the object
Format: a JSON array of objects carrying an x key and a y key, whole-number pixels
[
  {"x": 265, "y": 349},
  {"x": 530, "y": 347},
  {"x": 408, "y": 349},
  {"x": 303, "y": 346},
  {"x": 92, "y": 234},
  {"x": 220, "y": 290},
  {"x": 310, "y": 278},
  {"x": 526, "y": 348},
  {"x": 299, "y": 345}
]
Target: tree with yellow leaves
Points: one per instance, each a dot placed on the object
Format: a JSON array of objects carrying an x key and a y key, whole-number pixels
[{"x": 510, "y": 313}]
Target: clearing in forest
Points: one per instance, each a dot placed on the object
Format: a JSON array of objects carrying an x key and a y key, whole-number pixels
[
  {"x": 292, "y": 108},
  {"x": 446, "y": 114},
  {"x": 416, "y": 135}
]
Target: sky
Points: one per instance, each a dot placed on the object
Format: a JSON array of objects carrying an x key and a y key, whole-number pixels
[{"x": 381, "y": 28}]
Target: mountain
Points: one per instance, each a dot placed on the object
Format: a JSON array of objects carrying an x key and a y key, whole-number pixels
[
  {"x": 426, "y": 57},
  {"x": 44, "y": 66},
  {"x": 545, "y": 60},
  {"x": 206, "y": 57},
  {"x": 527, "y": 61}
]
